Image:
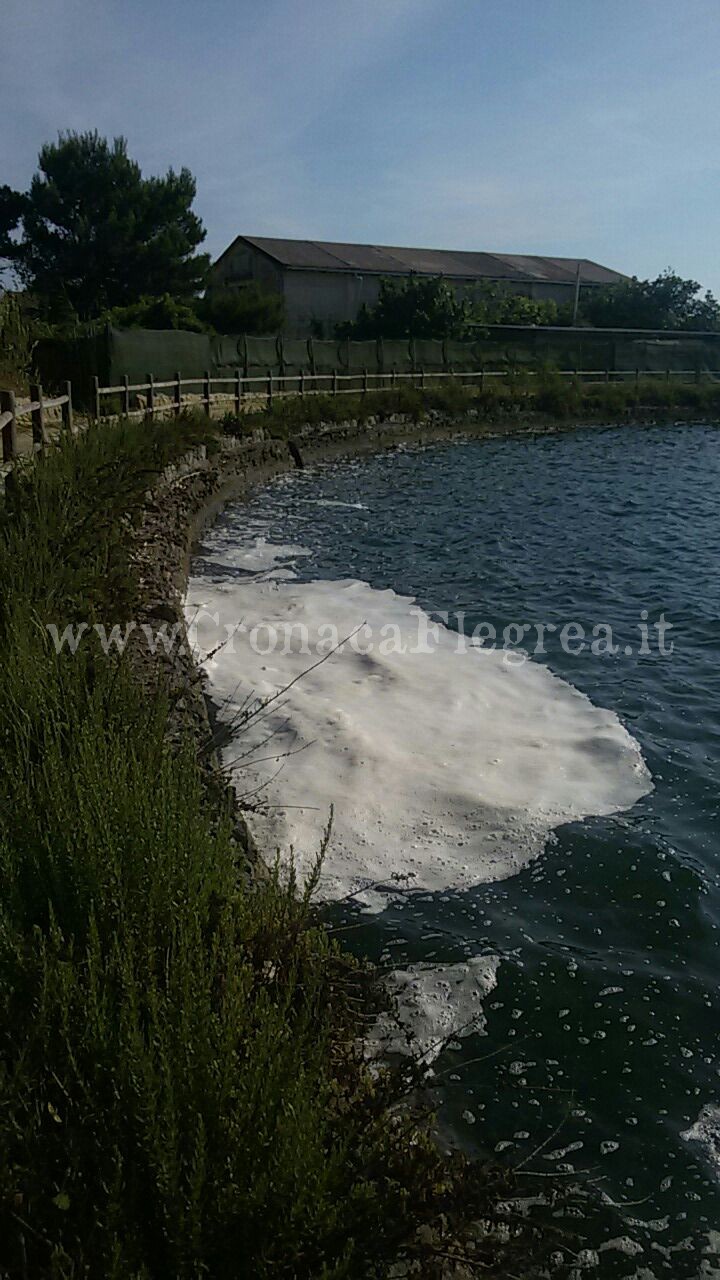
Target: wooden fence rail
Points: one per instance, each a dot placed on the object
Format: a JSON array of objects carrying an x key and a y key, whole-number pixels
[
  {"x": 35, "y": 408},
  {"x": 154, "y": 397},
  {"x": 171, "y": 396}
]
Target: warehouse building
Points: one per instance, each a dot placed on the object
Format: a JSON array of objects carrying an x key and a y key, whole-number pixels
[{"x": 324, "y": 283}]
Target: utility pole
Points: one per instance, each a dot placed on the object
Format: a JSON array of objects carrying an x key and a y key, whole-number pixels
[{"x": 576, "y": 298}]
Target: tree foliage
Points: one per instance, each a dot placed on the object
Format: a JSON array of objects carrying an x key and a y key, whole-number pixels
[
  {"x": 246, "y": 309},
  {"x": 425, "y": 307},
  {"x": 418, "y": 307},
  {"x": 429, "y": 307},
  {"x": 494, "y": 304},
  {"x": 156, "y": 313},
  {"x": 94, "y": 234},
  {"x": 668, "y": 302}
]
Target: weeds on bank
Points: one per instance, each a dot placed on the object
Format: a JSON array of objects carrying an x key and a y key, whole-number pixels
[
  {"x": 547, "y": 394},
  {"x": 179, "y": 1090}
]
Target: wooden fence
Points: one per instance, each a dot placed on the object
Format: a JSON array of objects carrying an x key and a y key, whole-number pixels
[
  {"x": 237, "y": 393},
  {"x": 35, "y": 408},
  {"x": 146, "y": 399}
]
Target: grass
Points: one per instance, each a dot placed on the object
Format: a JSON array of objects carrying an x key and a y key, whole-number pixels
[
  {"x": 179, "y": 1090},
  {"x": 547, "y": 394}
]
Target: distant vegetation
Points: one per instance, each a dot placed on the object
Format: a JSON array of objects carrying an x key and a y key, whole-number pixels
[
  {"x": 668, "y": 302},
  {"x": 246, "y": 309},
  {"x": 422, "y": 307},
  {"x": 429, "y": 307},
  {"x": 93, "y": 240},
  {"x": 95, "y": 234}
]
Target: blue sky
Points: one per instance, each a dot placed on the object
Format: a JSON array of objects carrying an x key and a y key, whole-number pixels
[{"x": 579, "y": 127}]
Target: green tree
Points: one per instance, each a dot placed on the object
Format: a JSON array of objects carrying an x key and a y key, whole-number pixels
[
  {"x": 668, "y": 302},
  {"x": 246, "y": 309},
  {"x": 156, "y": 313},
  {"x": 494, "y": 304},
  {"x": 422, "y": 307},
  {"x": 92, "y": 234},
  {"x": 418, "y": 307}
]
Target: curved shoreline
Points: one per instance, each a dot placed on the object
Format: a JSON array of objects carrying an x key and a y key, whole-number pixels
[
  {"x": 191, "y": 493},
  {"x": 197, "y": 1000},
  {"x": 246, "y": 463}
]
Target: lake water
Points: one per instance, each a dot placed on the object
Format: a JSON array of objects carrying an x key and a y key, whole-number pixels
[{"x": 603, "y": 1022}]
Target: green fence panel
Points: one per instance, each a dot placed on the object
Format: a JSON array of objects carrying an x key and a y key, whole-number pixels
[
  {"x": 461, "y": 355},
  {"x": 295, "y": 354},
  {"x": 361, "y": 355},
  {"x": 429, "y": 354},
  {"x": 396, "y": 354},
  {"x": 673, "y": 354},
  {"x": 326, "y": 354},
  {"x": 162, "y": 352},
  {"x": 262, "y": 354},
  {"x": 79, "y": 359},
  {"x": 227, "y": 354}
]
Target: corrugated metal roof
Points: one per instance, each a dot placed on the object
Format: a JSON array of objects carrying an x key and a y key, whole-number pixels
[{"x": 326, "y": 255}]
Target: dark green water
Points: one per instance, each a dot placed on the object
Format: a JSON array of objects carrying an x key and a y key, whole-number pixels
[{"x": 607, "y": 993}]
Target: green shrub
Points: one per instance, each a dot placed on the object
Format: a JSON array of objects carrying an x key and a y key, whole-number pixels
[
  {"x": 157, "y": 313},
  {"x": 244, "y": 309}
]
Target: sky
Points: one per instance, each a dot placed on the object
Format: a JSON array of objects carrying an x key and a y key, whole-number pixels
[{"x": 586, "y": 128}]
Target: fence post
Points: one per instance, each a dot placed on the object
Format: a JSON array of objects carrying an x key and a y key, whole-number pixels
[
  {"x": 96, "y": 398},
  {"x": 334, "y": 382},
  {"x": 269, "y": 388},
  {"x": 66, "y": 411},
  {"x": 393, "y": 378},
  {"x": 150, "y": 395},
  {"x": 302, "y": 382},
  {"x": 364, "y": 380},
  {"x": 238, "y": 391},
  {"x": 38, "y": 416},
  {"x": 177, "y": 394},
  {"x": 9, "y": 431},
  {"x": 422, "y": 378},
  {"x": 126, "y": 395},
  {"x": 667, "y": 375},
  {"x": 607, "y": 375},
  {"x": 206, "y": 392}
]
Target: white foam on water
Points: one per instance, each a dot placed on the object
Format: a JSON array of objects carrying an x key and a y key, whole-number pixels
[
  {"x": 334, "y": 502},
  {"x": 706, "y": 1132},
  {"x": 256, "y": 557},
  {"x": 446, "y": 767},
  {"x": 432, "y": 1003}
]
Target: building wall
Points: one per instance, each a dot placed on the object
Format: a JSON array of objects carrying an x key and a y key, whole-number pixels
[
  {"x": 316, "y": 300},
  {"x": 243, "y": 264}
]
